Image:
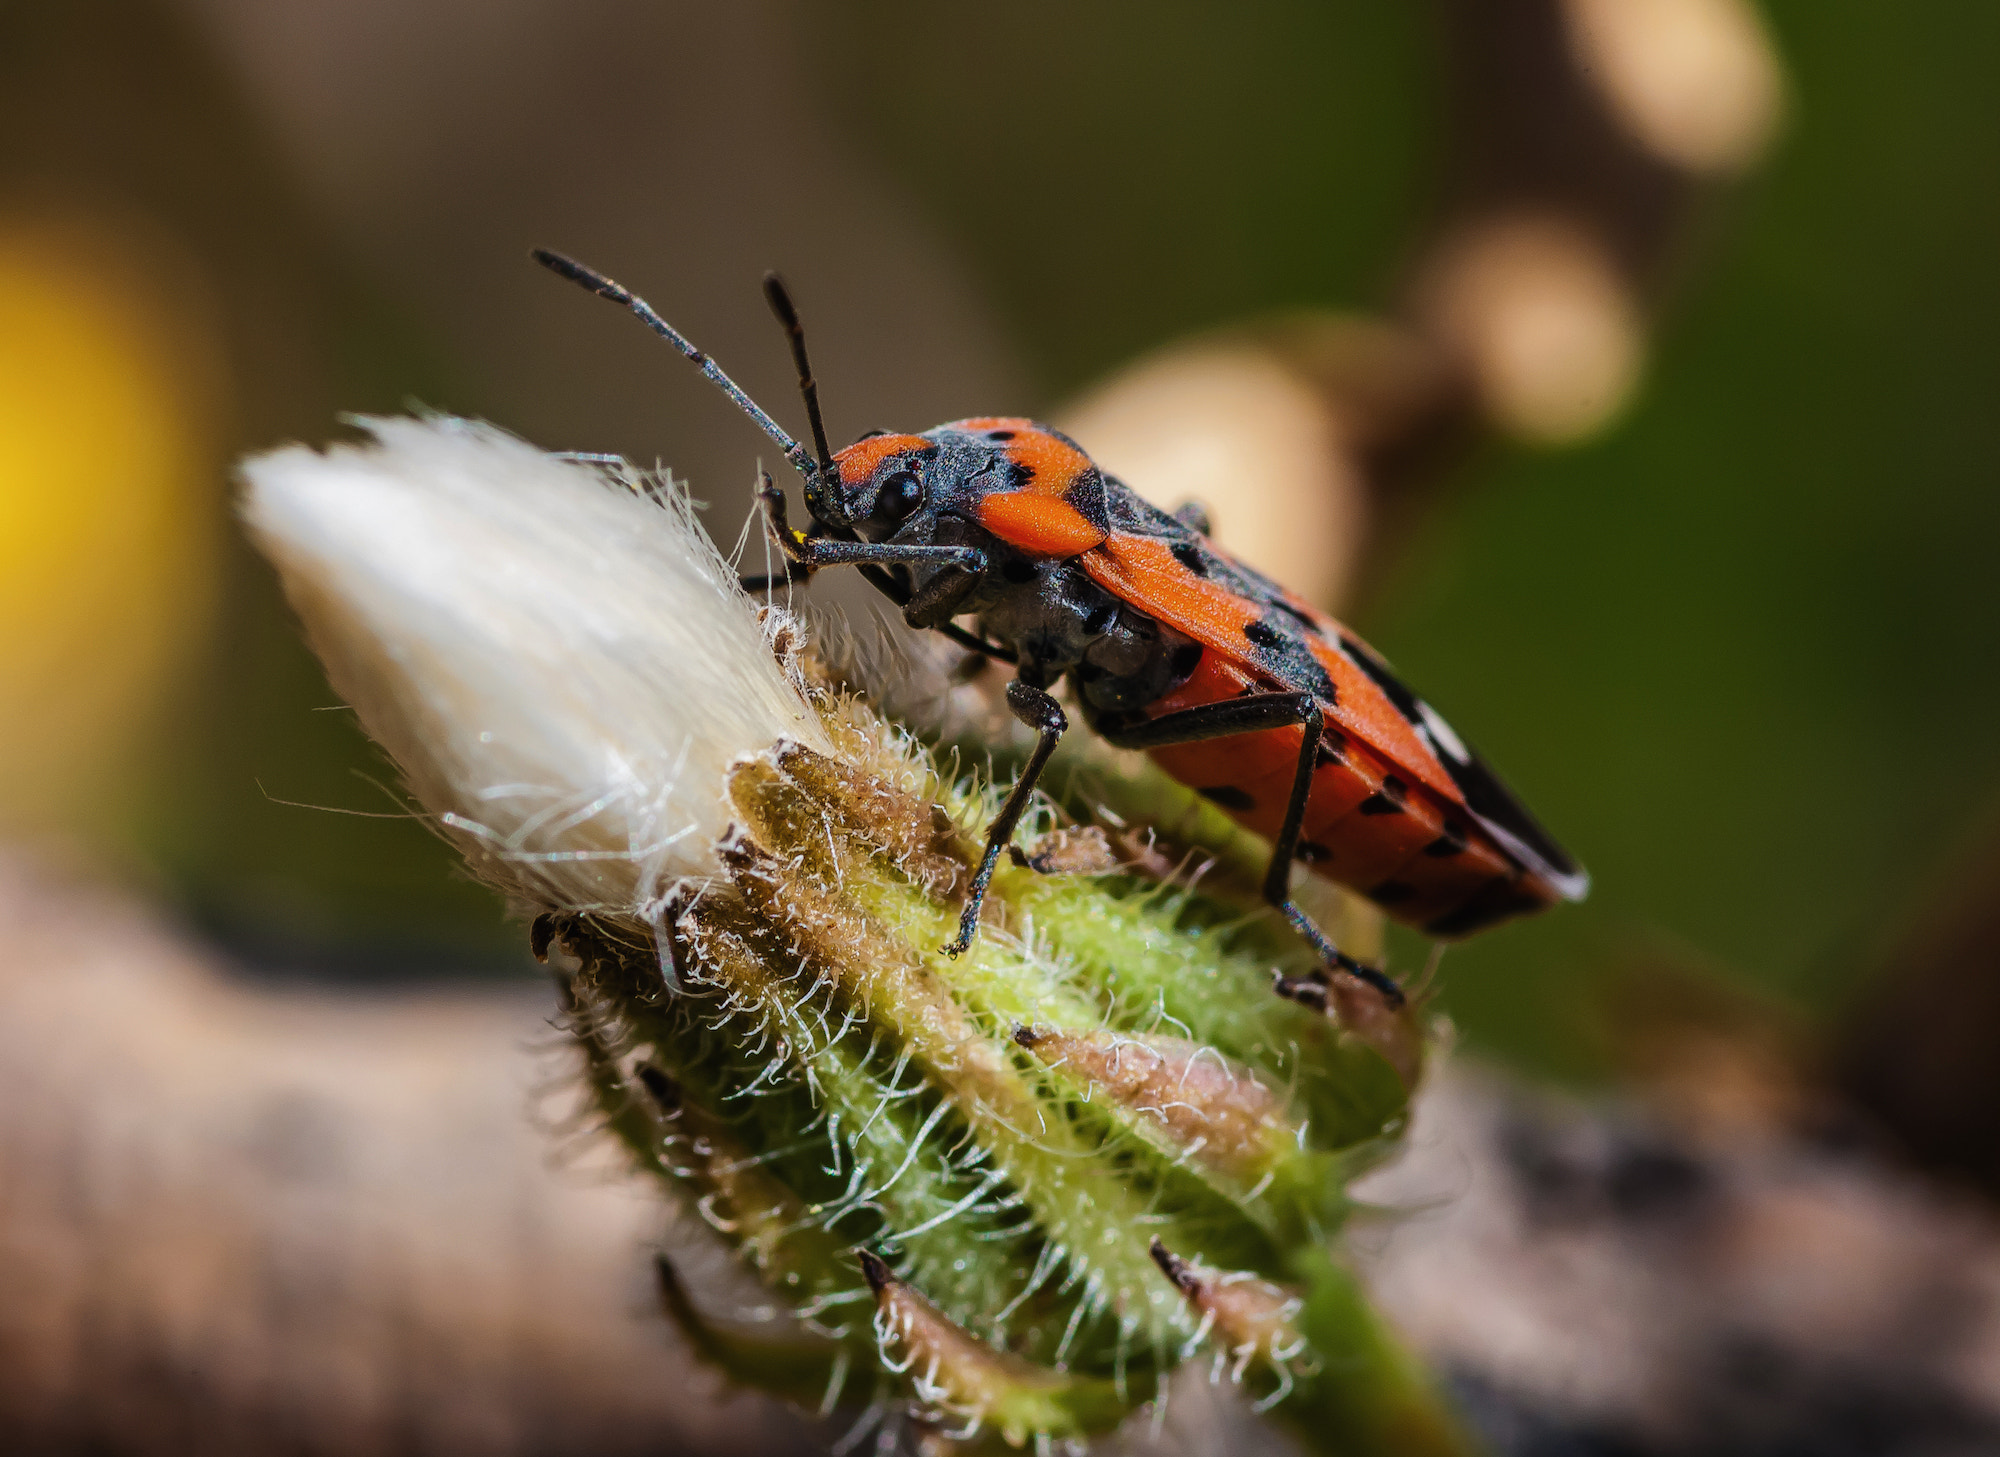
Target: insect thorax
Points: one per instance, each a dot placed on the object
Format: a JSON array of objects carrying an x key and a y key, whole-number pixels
[{"x": 1060, "y": 621}]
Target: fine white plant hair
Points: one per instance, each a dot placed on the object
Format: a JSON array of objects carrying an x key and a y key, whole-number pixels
[{"x": 562, "y": 666}]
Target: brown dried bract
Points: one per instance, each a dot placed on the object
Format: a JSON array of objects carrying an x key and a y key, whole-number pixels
[
  {"x": 1208, "y": 1108},
  {"x": 962, "y": 1371},
  {"x": 1252, "y": 1316},
  {"x": 916, "y": 835},
  {"x": 1071, "y": 850},
  {"x": 1396, "y": 1033}
]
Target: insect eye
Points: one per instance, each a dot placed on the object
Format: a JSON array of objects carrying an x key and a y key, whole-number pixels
[{"x": 900, "y": 494}]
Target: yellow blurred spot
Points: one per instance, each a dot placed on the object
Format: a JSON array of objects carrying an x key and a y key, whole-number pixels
[{"x": 107, "y": 514}]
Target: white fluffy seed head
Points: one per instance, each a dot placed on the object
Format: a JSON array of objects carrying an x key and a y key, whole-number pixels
[{"x": 562, "y": 668}]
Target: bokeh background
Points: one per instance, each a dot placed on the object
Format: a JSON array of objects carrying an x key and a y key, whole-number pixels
[{"x": 1625, "y": 369}]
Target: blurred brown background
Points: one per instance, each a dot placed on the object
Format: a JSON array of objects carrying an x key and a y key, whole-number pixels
[{"x": 1623, "y": 368}]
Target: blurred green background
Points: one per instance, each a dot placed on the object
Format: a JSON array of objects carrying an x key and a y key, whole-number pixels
[{"x": 1738, "y": 648}]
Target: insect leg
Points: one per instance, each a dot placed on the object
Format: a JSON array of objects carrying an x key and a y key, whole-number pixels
[
  {"x": 1045, "y": 716},
  {"x": 765, "y": 581},
  {"x": 1194, "y": 516},
  {"x": 890, "y": 584},
  {"x": 815, "y": 553},
  {"x": 1249, "y": 715},
  {"x": 973, "y": 644},
  {"x": 811, "y": 553},
  {"x": 806, "y": 552},
  {"x": 794, "y": 571},
  {"x": 1278, "y": 879},
  {"x": 937, "y": 601}
]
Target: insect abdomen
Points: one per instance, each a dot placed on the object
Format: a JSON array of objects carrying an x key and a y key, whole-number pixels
[{"x": 1423, "y": 860}]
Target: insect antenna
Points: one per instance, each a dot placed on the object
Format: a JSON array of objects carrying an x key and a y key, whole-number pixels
[
  {"x": 780, "y": 299},
  {"x": 815, "y": 477}
]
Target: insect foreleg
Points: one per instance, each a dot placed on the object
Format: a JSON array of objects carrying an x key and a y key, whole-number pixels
[
  {"x": 800, "y": 563},
  {"x": 771, "y": 506},
  {"x": 884, "y": 581},
  {"x": 765, "y": 581},
  {"x": 1045, "y": 716},
  {"x": 1251, "y": 715},
  {"x": 816, "y": 553},
  {"x": 937, "y": 601},
  {"x": 811, "y": 553},
  {"x": 795, "y": 570}
]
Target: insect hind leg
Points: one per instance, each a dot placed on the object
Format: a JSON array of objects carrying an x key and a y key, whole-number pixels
[
  {"x": 1045, "y": 716},
  {"x": 1252, "y": 715},
  {"x": 1278, "y": 877}
]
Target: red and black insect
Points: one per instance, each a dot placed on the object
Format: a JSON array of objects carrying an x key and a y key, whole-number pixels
[{"x": 1258, "y": 701}]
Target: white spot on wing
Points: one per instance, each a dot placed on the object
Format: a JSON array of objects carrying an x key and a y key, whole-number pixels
[{"x": 1440, "y": 733}]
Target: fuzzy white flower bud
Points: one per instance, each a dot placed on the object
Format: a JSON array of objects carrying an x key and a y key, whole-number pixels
[{"x": 562, "y": 667}]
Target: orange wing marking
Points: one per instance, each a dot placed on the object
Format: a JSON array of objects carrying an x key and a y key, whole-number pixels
[
  {"x": 1142, "y": 570},
  {"x": 1039, "y": 517},
  {"x": 1037, "y": 523},
  {"x": 1364, "y": 710},
  {"x": 1055, "y": 463}
]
